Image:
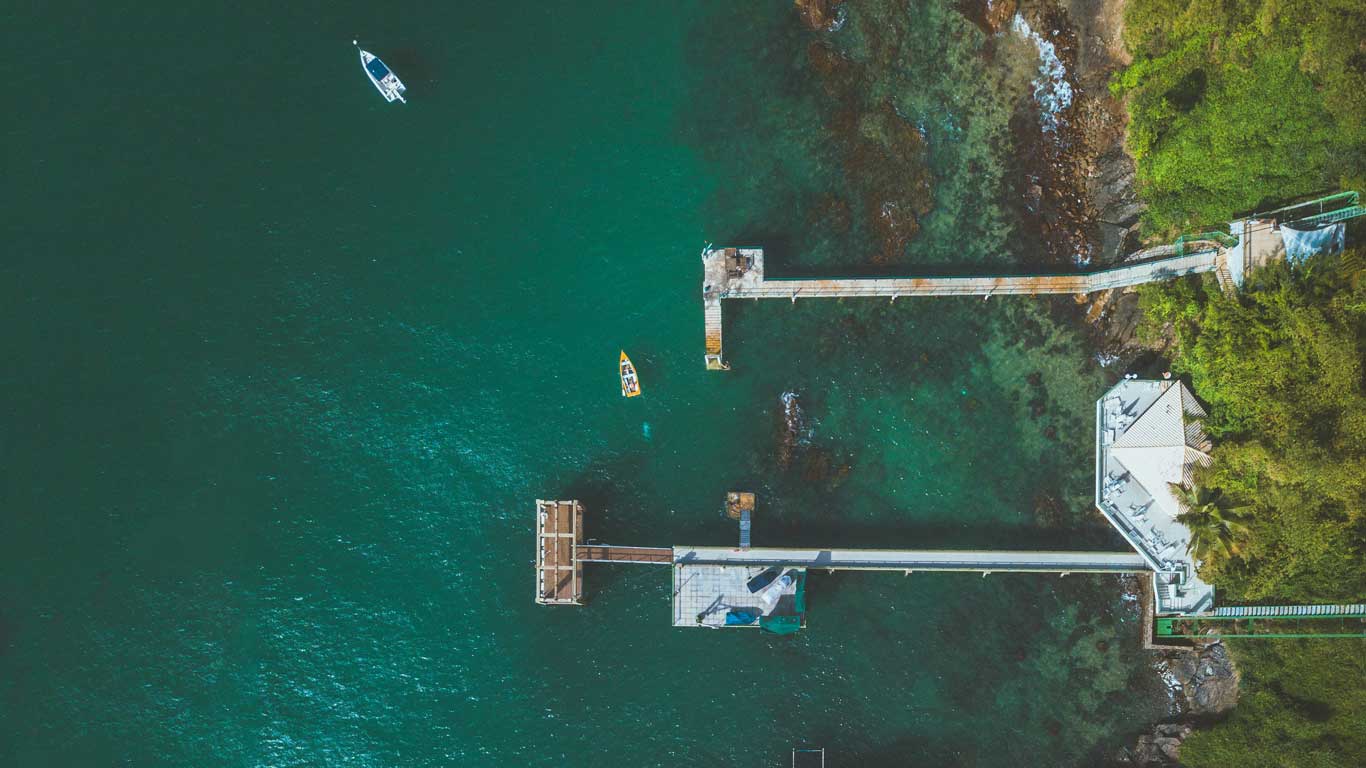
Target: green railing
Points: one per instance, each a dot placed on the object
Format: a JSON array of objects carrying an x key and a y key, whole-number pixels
[
  {"x": 1341, "y": 214},
  {"x": 1262, "y": 627},
  {"x": 1222, "y": 238},
  {"x": 1323, "y": 204}
]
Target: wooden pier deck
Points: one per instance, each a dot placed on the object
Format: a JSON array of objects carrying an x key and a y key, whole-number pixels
[
  {"x": 606, "y": 553},
  {"x": 559, "y": 573},
  {"x": 712, "y": 313}
]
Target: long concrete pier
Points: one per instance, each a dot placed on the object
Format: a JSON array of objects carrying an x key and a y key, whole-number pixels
[
  {"x": 765, "y": 587},
  {"x": 910, "y": 560},
  {"x": 738, "y": 273}
]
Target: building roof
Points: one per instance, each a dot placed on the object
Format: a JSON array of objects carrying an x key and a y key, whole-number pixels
[
  {"x": 1149, "y": 437},
  {"x": 1161, "y": 447}
]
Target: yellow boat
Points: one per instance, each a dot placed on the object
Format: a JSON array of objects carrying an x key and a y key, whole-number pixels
[{"x": 630, "y": 382}]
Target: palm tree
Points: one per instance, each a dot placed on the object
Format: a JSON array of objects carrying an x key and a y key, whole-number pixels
[{"x": 1214, "y": 526}]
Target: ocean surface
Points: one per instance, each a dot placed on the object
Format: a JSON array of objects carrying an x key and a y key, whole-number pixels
[{"x": 285, "y": 368}]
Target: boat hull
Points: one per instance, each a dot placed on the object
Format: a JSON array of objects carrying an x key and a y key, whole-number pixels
[
  {"x": 630, "y": 380},
  {"x": 383, "y": 78}
]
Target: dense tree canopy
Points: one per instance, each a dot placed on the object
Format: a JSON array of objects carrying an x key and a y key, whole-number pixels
[
  {"x": 1280, "y": 366},
  {"x": 1239, "y": 104}
]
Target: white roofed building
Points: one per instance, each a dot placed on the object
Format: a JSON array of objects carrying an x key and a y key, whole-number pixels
[{"x": 1149, "y": 436}]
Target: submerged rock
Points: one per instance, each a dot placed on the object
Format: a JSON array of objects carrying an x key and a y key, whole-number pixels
[
  {"x": 876, "y": 144},
  {"x": 791, "y": 429},
  {"x": 821, "y": 15},
  {"x": 991, "y": 16}
]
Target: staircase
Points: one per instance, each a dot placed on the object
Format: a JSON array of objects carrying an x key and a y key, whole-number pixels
[
  {"x": 1332, "y": 217},
  {"x": 1222, "y": 274},
  {"x": 1266, "y": 611}
]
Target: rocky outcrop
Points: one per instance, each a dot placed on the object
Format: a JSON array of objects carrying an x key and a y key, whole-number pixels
[
  {"x": 1204, "y": 685},
  {"x": 1110, "y": 184},
  {"x": 1160, "y": 748},
  {"x": 821, "y": 15},
  {"x": 1209, "y": 680},
  {"x": 991, "y": 15},
  {"x": 1111, "y": 188}
]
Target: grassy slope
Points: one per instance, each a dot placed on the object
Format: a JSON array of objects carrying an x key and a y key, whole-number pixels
[{"x": 1238, "y": 104}]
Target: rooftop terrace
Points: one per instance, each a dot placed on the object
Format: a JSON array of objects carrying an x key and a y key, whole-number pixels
[{"x": 1148, "y": 437}]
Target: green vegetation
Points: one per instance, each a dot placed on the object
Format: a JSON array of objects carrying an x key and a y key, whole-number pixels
[
  {"x": 1215, "y": 527},
  {"x": 1238, "y": 104},
  {"x": 1301, "y": 705},
  {"x": 1280, "y": 366}
]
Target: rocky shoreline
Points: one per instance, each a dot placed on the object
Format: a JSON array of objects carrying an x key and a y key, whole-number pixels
[
  {"x": 1080, "y": 191},
  {"x": 1072, "y": 184},
  {"x": 1202, "y": 681},
  {"x": 1203, "y": 685}
]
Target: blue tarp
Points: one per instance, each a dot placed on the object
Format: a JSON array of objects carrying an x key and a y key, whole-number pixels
[
  {"x": 737, "y": 617},
  {"x": 377, "y": 69},
  {"x": 1303, "y": 243}
]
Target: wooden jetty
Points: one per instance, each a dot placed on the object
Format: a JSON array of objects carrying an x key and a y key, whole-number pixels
[
  {"x": 561, "y": 553},
  {"x": 606, "y": 553},
  {"x": 559, "y": 574}
]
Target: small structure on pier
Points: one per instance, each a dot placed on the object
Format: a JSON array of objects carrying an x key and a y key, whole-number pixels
[
  {"x": 559, "y": 574},
  {"x": 740, "y": 507}
]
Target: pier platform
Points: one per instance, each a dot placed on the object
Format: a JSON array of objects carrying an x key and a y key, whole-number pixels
[
  {"x": 705, "y": 594},
  {"x": 559, "y": 574}
]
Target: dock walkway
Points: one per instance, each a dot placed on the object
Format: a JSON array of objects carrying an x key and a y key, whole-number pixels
[
  {"x": 738, "y": 273},
  {"x": 916, "y": 560},
  {"x": 606, "y": 553}
]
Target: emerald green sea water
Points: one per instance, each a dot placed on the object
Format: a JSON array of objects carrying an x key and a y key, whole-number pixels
[{"x": 285, "y": 368}]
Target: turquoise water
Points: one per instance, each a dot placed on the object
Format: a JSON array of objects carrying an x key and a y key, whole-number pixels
[{"x": 287, "y": 367}]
